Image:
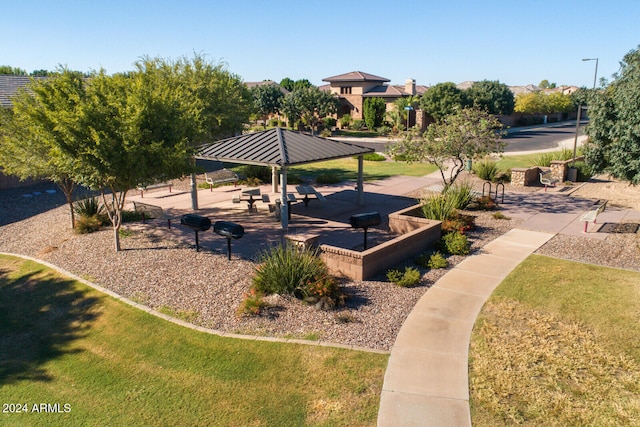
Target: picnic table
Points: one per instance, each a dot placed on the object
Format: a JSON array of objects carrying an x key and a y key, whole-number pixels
[
  {"x": 249, "y": 195},
  {"x": 309, "y": 193}
]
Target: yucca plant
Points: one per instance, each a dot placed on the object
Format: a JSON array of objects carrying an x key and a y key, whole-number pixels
[
  {"x": 486, "y": 169},
  {"x": 461, "y": 194},
  {"x": 288, "y": 269},
  {"x": 88, "y": 207},
  {"x": 438, "y": 207}
]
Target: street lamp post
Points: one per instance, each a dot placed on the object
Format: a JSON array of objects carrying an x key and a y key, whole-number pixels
[{"x": 595, "y": 76}]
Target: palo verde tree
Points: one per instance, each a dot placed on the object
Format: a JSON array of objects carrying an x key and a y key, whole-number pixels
[
  {"x": 469, "y": 133},
  {"x": 614, "y": 127},
  {"x": 374, "y": 110},
  {"x": 40, "y": 121}
]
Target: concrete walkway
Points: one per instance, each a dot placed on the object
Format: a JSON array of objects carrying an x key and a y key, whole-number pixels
[{"x": 426, "y": 382}]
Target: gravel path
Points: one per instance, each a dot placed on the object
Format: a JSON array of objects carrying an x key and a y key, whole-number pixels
[{"x": 205, "y": 289}]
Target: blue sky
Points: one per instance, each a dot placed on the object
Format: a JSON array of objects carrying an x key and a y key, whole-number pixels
[{"x": 433, "y": 41}]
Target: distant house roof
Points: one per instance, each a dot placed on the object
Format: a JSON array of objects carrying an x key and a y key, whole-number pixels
[
  {"x": 393, "y": 91},
  {"x": 355, "y": 76},
  {"x": 278, "y": 147},
  {"x": 9, "y": 86},
  {"x": 264, "y": 83},
  {"x": 465, "y": 85}
]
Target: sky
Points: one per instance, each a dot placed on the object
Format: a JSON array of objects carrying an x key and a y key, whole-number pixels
[{"x": 432, "y": 41}]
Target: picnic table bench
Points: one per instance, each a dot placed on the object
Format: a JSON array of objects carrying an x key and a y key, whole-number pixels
[
  {"x": 309, "y": 193},
  {"x": 222, "y": 176},
  {"x": 592, "y": 215},
  {"x": 547, "y": 179}
]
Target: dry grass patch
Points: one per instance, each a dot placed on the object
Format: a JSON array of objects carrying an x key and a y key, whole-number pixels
[{"x": 556, "y": 345}]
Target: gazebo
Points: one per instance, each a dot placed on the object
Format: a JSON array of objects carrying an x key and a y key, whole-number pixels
[{"x": 281, "y": 148}]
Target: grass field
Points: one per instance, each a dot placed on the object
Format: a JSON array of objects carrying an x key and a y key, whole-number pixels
[
  {"x": 103, "y": 362},
  {"x": 557, "y": 345}
]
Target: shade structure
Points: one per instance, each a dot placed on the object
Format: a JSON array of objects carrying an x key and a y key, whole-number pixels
[
  {"x": 278, "y": 147},
  {"x": 281, "y": 148}
]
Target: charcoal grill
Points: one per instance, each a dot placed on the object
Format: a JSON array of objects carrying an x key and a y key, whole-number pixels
[
  {"x": 230, "y": 230},
  {"x": 364, "y": 221},
  {"x": 197, "y": 223}
]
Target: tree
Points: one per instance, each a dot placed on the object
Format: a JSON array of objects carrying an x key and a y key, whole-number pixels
[
  {"x": 9, "y": 70},
  {"x": 469, "y": 133},
  {"x": 544, "y": 84},
  {"x": 542, "y": 103},
  {"x": 442, "y": 100},
  {"x": 287, "y": 83},
  {"x": 309, "y": 105},
  {"x": 266, "y": 99},
  {"x": 614, "y": 127},
  {"x": 401, "y": 112},
  {"x": 374, "y": 110},
  {"x": 33, "y": 129},
  {"x": 492, "y": 96}
]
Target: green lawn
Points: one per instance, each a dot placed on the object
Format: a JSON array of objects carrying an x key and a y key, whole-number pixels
[
  {"x": 348, "y": 169},
  {"x": 111, "y": 364},
  {"x": 557, "y": 344}
]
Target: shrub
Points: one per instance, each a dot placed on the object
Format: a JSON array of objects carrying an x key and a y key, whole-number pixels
[
  {"x": 461, "y": 194},
  {"x": 329, "y": 122},
  {"x": 88, "y": 207},
  {"x": 262, "y": 173},
  {"x": 325, "y": 293},
  {"x": 584, "y": 171},
  {"x": 458, "y": 222},
  {"x": 358, "y": 124},
  {"x": 328, "y": 178},
  {"x": 252, "y": 304},
  {"x": 325, "y": 133},
  {"x": 438, "y": 207},
  {"x": 407, "y": 278},
  {"x": 499, "y": 215},
  {"x": 288, "y": 269},
  {"x": 436, "y": 260},
  {"x": 484, "y": 203},
  {"x": 454, "y": 243},
  {"x": 545, "y": 159},
  {"x": 504, "y": 176},
  {"x": 130, "y": 216},
  {"x": 374, "y": 157},
  {"x": 384, "y": 130},
  {"x": 486, "y": 169},
  {"x": 87, "y": 224},
  {"x": 345, "y": 121}
]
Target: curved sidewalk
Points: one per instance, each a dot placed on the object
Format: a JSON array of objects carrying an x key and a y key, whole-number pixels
[{"x": 426, "y": 381}]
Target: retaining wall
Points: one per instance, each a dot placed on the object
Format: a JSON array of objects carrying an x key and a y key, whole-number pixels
[{"x": 418, "y": 234}]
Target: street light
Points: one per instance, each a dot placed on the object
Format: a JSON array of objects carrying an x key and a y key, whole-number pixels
[{"x": 595, "y": 76}]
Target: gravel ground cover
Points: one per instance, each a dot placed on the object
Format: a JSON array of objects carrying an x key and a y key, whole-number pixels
[{"x": 205, "y": 289}]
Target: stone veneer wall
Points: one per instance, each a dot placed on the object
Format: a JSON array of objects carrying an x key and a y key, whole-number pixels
[
  {"x": 418, "y": 235},
  {"x": 521, "y": 177}
]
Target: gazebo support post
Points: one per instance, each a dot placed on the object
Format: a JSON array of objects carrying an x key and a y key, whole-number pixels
[
  {"x": 194, "y": 192},
  {"x": 274, "y": 180},
  {"x": 284, "y": 206},
  {"x": 360, "y": 186}
]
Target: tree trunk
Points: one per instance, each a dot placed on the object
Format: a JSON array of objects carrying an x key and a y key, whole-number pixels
[
  {"x": 67, "y": 186},
  {"x": 116, "y": 238}
]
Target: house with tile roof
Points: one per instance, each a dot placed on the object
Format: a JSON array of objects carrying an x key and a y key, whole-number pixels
[
  {"x": 354, "y": 87},
  {"x": 9, "y": 86}
]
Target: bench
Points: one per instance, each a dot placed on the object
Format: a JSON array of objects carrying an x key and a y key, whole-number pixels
[
  {"x": 222, "y": 176},
  {"x": 154, "y": 187},
  {"x": 150, "y": 212},
  {"x": 547, "y": 180},
  {"x": 592, "y": 215}
]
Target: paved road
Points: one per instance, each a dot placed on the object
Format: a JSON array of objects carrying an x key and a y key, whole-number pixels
[
  {"x": 519, "y": 139},
  {"x": 541, "y": 138}
]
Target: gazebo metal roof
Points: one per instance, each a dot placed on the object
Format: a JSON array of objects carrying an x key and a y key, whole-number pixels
[
  {"x": 281, "y": 148},
  {"x": 278, "y": 147}
]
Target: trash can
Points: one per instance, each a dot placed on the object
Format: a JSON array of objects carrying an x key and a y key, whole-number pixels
[
  {"x": 469, "y": 165},
  {"x": 572, "y": 174}
]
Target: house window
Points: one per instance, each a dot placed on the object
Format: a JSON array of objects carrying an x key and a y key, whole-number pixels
[{"x": 345, "y": 90}]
